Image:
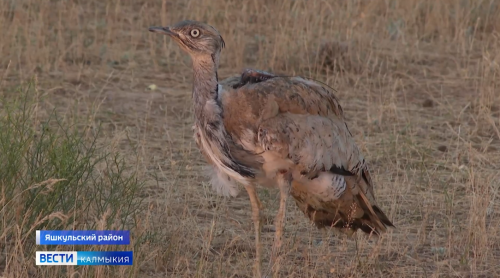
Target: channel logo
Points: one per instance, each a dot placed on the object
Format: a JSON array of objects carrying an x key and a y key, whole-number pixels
[
  {"x": 83, "y": 237},
  {"x": 84, "y": 258}
]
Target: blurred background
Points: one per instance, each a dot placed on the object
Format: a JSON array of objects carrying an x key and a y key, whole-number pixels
[{"x": 95, "y": 133}]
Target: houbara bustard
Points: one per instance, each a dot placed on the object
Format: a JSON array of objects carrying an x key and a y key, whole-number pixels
[{"x": 289, "y": 132}]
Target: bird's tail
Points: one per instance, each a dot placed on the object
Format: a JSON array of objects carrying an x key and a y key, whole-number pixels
[
  {"x": 355, "y": 210},
  {"x": 373, "y": 219}
]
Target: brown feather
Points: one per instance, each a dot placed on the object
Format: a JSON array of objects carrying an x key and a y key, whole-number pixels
[{"x": 300, "y": 123}]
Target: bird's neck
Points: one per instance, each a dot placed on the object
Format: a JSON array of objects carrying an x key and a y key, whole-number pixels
[{"x": 205, "y": 85}]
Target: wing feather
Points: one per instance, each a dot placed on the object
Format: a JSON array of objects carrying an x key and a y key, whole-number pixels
[
  {"x": 314, "y": 143},
  {"x": 299, "y": 122}
]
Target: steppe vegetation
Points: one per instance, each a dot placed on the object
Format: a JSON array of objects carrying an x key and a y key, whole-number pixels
[{"x": 95, "y": 133}]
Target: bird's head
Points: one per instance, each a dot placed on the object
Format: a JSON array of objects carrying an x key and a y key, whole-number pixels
[{"x": 195, "y": 38}]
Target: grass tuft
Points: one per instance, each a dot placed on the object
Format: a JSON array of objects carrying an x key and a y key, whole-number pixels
[{"x": 54, "y": 175}]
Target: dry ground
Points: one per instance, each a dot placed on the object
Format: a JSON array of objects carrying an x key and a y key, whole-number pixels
[{"x": 418, "y": 79}]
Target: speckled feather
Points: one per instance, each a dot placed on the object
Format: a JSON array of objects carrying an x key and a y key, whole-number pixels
[{"x": 298, "y": 124}]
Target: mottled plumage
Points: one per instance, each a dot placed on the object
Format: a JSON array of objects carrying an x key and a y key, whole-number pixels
[
  {"x": 287, "y": 132},
  {"x": 299, "y": 124}
]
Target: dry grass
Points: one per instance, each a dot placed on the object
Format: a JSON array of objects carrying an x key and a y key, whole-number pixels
[{"x": 419, "y": 81}]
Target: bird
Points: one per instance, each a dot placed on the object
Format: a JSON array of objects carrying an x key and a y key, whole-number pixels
[{"x": 259, "y": 129}]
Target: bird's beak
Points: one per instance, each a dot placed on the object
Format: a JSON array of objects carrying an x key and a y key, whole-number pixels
[{"x": 163, "y": 30}]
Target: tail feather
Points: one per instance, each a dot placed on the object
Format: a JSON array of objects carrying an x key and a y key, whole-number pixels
[
  {"x": 373, "y": 216},
  {"x": 355, "y": 210},
  {"x": 381, "y": 215},
  {"x": 369, "y": 223}
]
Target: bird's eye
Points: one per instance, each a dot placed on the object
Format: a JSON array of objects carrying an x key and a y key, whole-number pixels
[{"x": 195, "y": 33}]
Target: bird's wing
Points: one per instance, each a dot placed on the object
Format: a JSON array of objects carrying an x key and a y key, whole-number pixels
[
  {"x": 332, "y": 184},
  {"x": 298, "y": 95},
  {"x": 298, "y": 124},
  {"x": 313, "y": 143},
  {"x": 245, "y": 107},
  {"x": 264, "y": 96},
  {"x": 294, "y": 94}
]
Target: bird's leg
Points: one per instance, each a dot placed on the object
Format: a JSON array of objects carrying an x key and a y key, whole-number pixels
[
  {"x": 284, "y": 179},
  {"x": 256, "y": 206}
]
